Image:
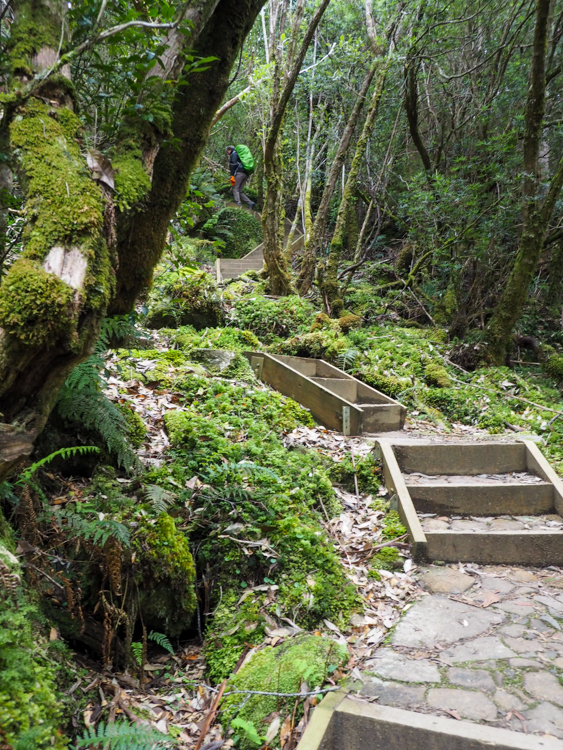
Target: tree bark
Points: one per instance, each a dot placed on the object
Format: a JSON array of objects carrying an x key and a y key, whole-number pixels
[
  {"x": 329, "y": 284},
  {"x": 536, "y": 214},
  {"x": 272, "y": 218},
  {"x": 411, "y": 108}
]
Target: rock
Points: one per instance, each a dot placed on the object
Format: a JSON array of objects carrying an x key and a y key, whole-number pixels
[
  {"x": 523, "y": 645},
  {"x": 508, "y": 701},
  {"x": 545, "y": 718},
  {"x": 388, "y": 663},
  {"x": 393, "y": 693},
  {"x": 468, "y": 704},
  {"x": 522, "y": 576},
  {"x": 520, "y": 663},
  {"x": 513, "y": 630},
  {"x": 544, "y": 686},
  {"x": 555, "y": 581},
  {"x": 523, "y": 607},
  {"x": 217, "y": 359},
  {"x": 436, "y": 620},
  {"x": 541, "y": 625},
  {"x": 551, "y": 621},
  {"x": 505, "y": 524},
  {"x": 550, "y": 602},
  {"x": 500, "y": 585},
  {"x": 559, "y": 662},
  {"x": 446, "y": 581},
  {"x": 478, "y": 679},
  {"x": 479, "y": 649},
  {"x": 434, "y": 524}
]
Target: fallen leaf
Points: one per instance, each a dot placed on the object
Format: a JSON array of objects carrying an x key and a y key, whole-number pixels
[
  {"x": 285, "y": 732},
  {"x": 490, "y": 597},
  {"x": 273, "y": 729},
  {"x": 452, "y": 713}
]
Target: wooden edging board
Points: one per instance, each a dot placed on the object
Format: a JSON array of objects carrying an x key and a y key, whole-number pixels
[
  {"x": 348, "y": 724},
  {"x": 324, "y": 405}
]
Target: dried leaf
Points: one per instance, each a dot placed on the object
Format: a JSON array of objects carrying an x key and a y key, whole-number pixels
[
  {"x": 273, "y": 729},
  {"x": 285, "y": 732},
  {"x": 101, "y": 168},
  {"x": 490, "y": 597}
]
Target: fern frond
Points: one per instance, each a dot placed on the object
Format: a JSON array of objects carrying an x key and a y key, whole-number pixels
[
  {"x": 137, "y": 649},
  {"x": 347, "y": 358},
  {"x": 162, "y": 641},
  {"x": 26, "y": 475},
  {"x": 94, "y": 530},
  {"x": 123, "y": 736},
  {"x": 159, "y": 498}
]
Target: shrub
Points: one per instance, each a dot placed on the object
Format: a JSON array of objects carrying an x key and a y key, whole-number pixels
[
  {"x": 237, "y": 228},
  {"x": 184, "y": 297},
  {"x": 269, "y": 318}
]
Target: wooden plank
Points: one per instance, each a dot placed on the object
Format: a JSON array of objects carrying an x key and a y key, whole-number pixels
[
  {"x": 538, "y": 464},
  {"x": 326, "y": 407},
  {"x": 396, "y": 485},
  {"x": 345, "y": 388},
  {"x": 462, "y": 458},
  {"x": 304, "y": 365},
  {"x": 482, "y": 500},
  {"x": 496, "y": 547}
]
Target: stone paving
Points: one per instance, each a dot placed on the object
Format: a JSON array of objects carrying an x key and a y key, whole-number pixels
[{"x": 484, "y": 644}]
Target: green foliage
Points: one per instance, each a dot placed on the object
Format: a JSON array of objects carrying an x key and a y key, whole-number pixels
[
  {"x": 238, "y": 230},
  {"x": 366, "y": 471},
  {"x": 234, "y": 339},
  {"x": 85, "y": 525},
  {"x": 249, "y": 730},
  {"x": 159, "y": 498},
  {"x": 63, "y": 453},
  {"x": 122, "y": 736},
  {"x": 393, "y": 526},
  {"x": 281, "y": 669},
  {"x": 184, "y": 297},
  {"x": 30, "y": 708},
  {"x": 270, "y": 318},
  {"x": 135, "y": 429}
]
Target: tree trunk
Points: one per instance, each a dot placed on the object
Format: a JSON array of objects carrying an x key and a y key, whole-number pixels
[
  {"x": 411, "y": 108},
  {"x": 315, "y": 236},
  {"x": 141, "y": 232},
  {"x": 330, "y": 286},
  {"x": 536, "y": 215},
  {"x": 56, "y": 294}
]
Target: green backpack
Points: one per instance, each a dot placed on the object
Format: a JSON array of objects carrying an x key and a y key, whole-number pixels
[{"x": 246, "y": 158}]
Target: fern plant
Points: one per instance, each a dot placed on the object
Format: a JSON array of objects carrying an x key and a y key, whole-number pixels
[
  {"x": 162, "y": 641},
  {"x": 137, "y": 649},
  {"x": 82, "y": 402},
  {"x": 98, "y": 531},
  {"x": 123, "y": 736},
  {"x": 347, "y": 358},
  {"x": 159, "y": 498}
]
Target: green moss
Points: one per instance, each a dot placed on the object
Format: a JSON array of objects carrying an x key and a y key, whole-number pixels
[
  {"x": 366, "y": 471},
  {"x": 349, "y": 322},
  {"x": 388, "y": 384},
  {"x": 321, "y": 321},
  {"x": 268, "y": 318},
  {"x": 386, "y": 559},
  {"x": 167, "y": 576},
  {"x": 35, "y": 27},
  {"x": 282, "y": 669},
  {"x": 35, "y": 306},
  {"x": 233, "y": 628},
  {"x": 30, "y": 708},
  {"x": 393, "y": 526},
  {"x": 437, "y": 375},
  {"x": 132, "y": 182},
  {"x": 184, "y": 298},
  {"x": 553, "y": 367},
  {"x": 135, "y": 427},
  {"x": 230, "y": 338}
]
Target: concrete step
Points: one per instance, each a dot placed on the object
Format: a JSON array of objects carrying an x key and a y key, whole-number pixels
[
  {"x": 511, "y": 514},
  {"x": 503, "y": 498}
]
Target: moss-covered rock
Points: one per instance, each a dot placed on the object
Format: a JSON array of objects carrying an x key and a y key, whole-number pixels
[
  {"x": 282, "y": 669},
  {"x": 166, "y": 576},
  {"x": 349, "y": 322},
  {"x": 135, "y": 427},
  {"x": 271, "y": 318},
  {"x": 437, "y": 375},
  {"x": 184, "y": 298},
  {"x": 387, "y": 559},
  {"x": 553, "y": 366}
]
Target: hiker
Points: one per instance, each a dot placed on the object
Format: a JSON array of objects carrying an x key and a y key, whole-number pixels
[{"x": 239, "y": 176}]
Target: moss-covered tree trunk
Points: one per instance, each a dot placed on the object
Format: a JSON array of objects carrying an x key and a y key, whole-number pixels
[
  {"x": 329, "y": 280},
  {"x": 536, "y": 213},
  {"x": 72, "y": 269}
]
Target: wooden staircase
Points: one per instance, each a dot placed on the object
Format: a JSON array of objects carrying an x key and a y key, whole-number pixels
[
  {"x": 231, "y": 268},
  {"x": 335, "y": 399},
  {"x": 487, "y": 503}
]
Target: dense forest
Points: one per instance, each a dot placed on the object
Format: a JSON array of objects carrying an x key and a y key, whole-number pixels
[{"x": 173, "y": 532}]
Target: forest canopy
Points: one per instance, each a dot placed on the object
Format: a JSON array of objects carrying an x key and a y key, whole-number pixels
[{"x": 403, "y": 222}]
